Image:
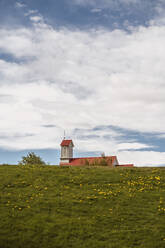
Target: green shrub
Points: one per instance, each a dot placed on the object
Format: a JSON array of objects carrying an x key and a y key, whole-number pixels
[
  {"x": 31, "y": 159},
  {"x": 86, "y": 162},
  {"x": 103, "y": 162}
]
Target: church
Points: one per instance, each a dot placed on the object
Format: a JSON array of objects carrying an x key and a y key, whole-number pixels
[{"x": 68, "y": 160}]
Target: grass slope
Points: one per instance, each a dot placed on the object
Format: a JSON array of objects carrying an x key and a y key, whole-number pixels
[{"x": 82, "y": 207}]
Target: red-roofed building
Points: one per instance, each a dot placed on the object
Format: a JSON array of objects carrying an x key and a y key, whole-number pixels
[
  {"x": 68, "y": 160},
  {"x": 110, "y": 161}
]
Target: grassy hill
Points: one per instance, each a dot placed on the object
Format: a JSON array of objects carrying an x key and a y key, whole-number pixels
[{"x": 82, "y": 207}]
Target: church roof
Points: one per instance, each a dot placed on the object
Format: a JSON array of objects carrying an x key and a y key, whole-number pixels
[{"x": 66, "y": 142}]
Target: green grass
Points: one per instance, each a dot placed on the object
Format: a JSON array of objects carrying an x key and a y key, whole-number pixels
[{"x": 82, "y": 207}]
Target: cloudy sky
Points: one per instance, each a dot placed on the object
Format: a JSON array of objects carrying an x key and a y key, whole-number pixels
[{"x": 95, "y": 68}]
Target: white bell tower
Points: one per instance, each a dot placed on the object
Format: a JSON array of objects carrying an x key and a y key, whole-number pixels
[{"x": 66, "y": 151}]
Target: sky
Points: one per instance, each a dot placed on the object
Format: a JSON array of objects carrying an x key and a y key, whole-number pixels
[{"x": 92, "y": 68}]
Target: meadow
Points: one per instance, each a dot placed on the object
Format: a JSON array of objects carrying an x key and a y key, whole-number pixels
[{"x": 52, "y": 207}]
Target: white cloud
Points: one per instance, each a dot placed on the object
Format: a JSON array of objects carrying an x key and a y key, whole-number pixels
[
  {"x": 18, "y": 43},
  {"x": 36, "y": 18},
  {"x": 20, "y": 5},
  {"x": 31, "y": 12},
  {"x": 132, "y": 146},
  {"x": 96, "y": 10},
  {"x": 142, "y": 158},
  {"x": 103, "y": 3},
  {"x": 82, "y": 79}
]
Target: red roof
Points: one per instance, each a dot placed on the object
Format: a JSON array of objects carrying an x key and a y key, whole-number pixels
[
  {"x": 66, "y": 142},
  {"x": 126, "y": 165},
  {"x": 91, "y": 160}
]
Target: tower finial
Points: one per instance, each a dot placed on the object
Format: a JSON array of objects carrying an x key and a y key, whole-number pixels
[{"x": 64, "y": 134}]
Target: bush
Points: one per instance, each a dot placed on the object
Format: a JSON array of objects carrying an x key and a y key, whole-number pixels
[
  {"x": 32, "y": 159},
  {"x": 86, "y": 162},
  {"x": 103, "y": 162}
]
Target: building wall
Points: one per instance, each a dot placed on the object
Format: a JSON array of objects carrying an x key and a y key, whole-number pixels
[
  {"x": 66, "y": 152},
  {"x": 64, "y": 161},
  {"x": 70, "y": 151},
  {"x": 115, "y": 162}
]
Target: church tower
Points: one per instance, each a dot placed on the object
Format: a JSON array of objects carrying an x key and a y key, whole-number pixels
[{"x": 66, "y": 151}]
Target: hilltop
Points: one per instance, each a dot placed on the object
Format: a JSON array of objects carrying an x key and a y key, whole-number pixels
[{"x": 83, "y": 207}]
